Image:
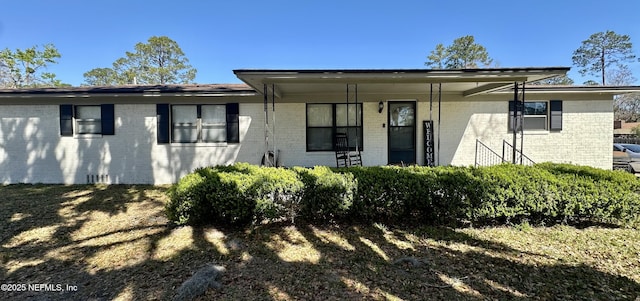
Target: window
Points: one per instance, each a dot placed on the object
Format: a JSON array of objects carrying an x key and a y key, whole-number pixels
[
  {"x": 325, "y": 120},
  {"x": 198, "y": 123},
  {"x": 535, "y": 115},
  {"x": 213, "y": 119},
  {"x": 538, "y": 115},
  {"x": 87, "y": 120},
  {"x": 184, "y": 123}
]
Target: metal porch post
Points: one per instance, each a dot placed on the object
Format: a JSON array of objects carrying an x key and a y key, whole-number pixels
[
  {"x": 266, "y": 125},
  {"x": 273, "y": 115},
  {"x": 516, "y": 122},
  {"x": 439, "y": 114},
  {"x": 522, "y": 127}
]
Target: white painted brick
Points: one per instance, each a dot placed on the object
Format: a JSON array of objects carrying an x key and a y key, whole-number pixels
[
  {"x": 585, "y": 139},
  {"x": 32, "y": 151}
]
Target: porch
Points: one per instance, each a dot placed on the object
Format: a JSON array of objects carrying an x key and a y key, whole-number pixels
[{"x": 403, "y": 116}]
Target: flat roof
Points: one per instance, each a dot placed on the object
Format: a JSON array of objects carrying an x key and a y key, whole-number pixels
[
  {"x": 613, "y": 90},
  {"x": 407, "y": 71},
  {"x": 468, "y": 82}
]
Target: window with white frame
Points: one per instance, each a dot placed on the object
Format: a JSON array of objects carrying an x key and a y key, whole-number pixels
[
  {"x": 88, "y": 119},
  {"x": 327, "y": 119},
  {"x": 214, "y": 125},
  {"x": 536, "y": 115},
  {"x": 198, "y": 123}
]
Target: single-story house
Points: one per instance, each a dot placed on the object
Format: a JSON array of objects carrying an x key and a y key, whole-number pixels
[{"x": 157, "y": 134}]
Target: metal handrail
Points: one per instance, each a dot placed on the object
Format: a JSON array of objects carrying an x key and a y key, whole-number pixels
[
  {"x": 521, "y": 158},
  {"x": 485, "y": 156}
]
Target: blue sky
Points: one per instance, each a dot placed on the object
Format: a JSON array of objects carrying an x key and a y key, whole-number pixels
[{"x": 219, "y": 36}]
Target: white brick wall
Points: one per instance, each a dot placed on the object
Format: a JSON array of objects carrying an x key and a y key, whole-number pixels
[
  {"x": 32, "y": 150},
  {"x": 27, "y": 149},
  {"x": 585, "y": 139},
  {"x": 291, "y": 136}
]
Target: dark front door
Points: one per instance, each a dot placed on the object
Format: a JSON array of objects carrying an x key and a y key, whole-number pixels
[{"x": 402, "y": 132}]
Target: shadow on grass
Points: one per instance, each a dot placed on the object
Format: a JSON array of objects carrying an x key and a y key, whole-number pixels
[
  {"x": 114, "y": 243},
  {"x": 364, "y": 263}
]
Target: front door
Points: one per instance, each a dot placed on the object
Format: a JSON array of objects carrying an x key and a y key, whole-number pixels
[{"x": 402, "y": 132}]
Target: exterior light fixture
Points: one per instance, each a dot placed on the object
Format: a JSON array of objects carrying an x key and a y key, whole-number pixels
[{"x": 380, "y": 106}]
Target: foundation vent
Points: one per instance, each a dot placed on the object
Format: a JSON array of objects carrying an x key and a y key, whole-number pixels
[{"x": 98, "y": 178}]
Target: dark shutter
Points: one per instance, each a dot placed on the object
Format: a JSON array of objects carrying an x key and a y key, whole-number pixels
[
  {"x": 233, "y": 123},
  {"x": 162, "y": 115},
  {"x": 66, "y": 120},
  {"x": 515, "y": 115},
  {"x": 108, "y": 120},
  {"x": 512, "y": 114},
  {"x": 555, "y": 116}
]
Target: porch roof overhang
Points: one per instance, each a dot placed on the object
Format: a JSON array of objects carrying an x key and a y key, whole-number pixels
[
  {"x": 465, "y": 82},
  {"x": 601, "y": 90}
]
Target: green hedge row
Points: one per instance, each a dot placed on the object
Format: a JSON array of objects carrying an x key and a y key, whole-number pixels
[
  {"x": 243, "y": 193},
  {"x": 545, "y": 193}
]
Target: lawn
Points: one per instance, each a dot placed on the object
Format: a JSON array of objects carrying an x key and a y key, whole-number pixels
[{"x": 114, "y": 242}]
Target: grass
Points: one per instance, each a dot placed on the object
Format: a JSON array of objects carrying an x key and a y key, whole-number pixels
[{"x": 113, "y": 242}]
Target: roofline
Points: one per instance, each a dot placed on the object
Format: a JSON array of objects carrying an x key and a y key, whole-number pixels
[
  {"x": 256, "y": 78},
  {"x": 393, "y": 71},
  {"x": 614, "y": 90},
  {"x": 156, "y": 90}
]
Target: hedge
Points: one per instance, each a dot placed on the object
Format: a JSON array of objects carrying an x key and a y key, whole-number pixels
[{"x": 542, "y": 194}]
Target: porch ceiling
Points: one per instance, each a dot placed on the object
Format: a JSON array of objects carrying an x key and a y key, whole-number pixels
[{"x": 467, "y": 82}]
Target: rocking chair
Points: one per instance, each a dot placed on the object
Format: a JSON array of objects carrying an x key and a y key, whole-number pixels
[{"x": 345, "y": 157}]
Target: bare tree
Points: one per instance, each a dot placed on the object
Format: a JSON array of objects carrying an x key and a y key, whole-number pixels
[{"x": 627, "y": 106}]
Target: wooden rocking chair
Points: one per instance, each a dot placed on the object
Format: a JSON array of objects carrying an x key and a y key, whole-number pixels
[{"x": 345, "y": 157}]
